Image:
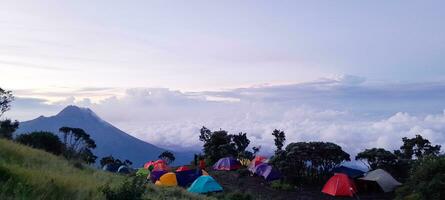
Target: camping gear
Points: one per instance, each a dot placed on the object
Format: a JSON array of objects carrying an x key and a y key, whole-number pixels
[
  {"x": 187, "y": 177},
  {"x": 205, "y": 184},
  {"x": 110, "y": 168},
  {"x": 267, "y": 171},
  {"x": 352, "y": 173},
  {"x": 168, "y": 179},
  {"x": 160, "y": 165},
  {"x": 148, "y": 164},
  {"x": 155, "y": 175},
  {"x": 255, "y": 162},
  {"x": 182, "y": 168},
  {"x": 142, "y": 172},
  {"x": 340, "y": 185},
  {"x": 383, "y": 179},
  {"x": 227, "y": 163},
  {"x": 123, "y": 169}
]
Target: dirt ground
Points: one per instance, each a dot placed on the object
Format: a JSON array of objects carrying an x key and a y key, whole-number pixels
[{"x": 260, "y": 189}]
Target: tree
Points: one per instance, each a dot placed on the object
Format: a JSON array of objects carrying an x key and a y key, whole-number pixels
[
  {"x": 6, "y": 98},
  {"x": 167, "y": 156},
  {"x": 426, "y": 180},
  {"x": 42, "y": 140},
  {"x": 256, "y": 149},
  {"x": 78, "y": 144},
  {"x": 108, "y": 160},
  {"x": 377, "y": 158},
  {"x": 241, "y": 142},
  {"x": 217, "y": 144},
  {"x": 309, "y": 161},
  {"x": 418, "y": 147},
  {"x": 280, "y": 138},
  {"x": 7, "y": 128}
]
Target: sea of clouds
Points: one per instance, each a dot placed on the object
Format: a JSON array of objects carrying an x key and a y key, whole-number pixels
[{"x": 346, "y": 110}]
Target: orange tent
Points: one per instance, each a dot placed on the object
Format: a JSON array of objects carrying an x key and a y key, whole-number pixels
[
  {"x": 340, "y": 185},
  {"x": 182, "y": 168}
]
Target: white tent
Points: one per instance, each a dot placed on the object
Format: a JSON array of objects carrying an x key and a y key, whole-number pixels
[{"x": 383, "y": 178}]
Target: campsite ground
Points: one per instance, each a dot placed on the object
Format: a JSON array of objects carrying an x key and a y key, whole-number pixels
[{"x": 260, "y": 189}]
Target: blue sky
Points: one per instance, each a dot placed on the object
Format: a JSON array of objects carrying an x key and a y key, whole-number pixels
[{"x": 370, "y": 70}]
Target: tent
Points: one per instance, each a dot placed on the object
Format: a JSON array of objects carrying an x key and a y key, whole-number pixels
[
  {"x": 182, "y": 168},
  {"x": 142, "y": 172},
  {"x": 155, "y": 175},
  {"x": 148, "y": 164},
  {"x": 383, "y": 179},
  {"x": 340, "y": 185},
  {"x": 110, "y": 168},
  {"x": 123, "y": 169},
  {"x": 204, "y": 172},
  {"x": 352, "y": 173},
  {"x": 160, "y": 165},
  {"x": 255, "y": 162},
  {"x": 205, "y": 184},
  {"x": 227, "y": 163},
  {"x": 267, "y": 171},
  {"x": 187, "y": 177},
  {"x": 168, "y": 179}
]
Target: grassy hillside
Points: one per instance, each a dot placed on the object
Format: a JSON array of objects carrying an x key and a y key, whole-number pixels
[{"x": 27, "y": 173}]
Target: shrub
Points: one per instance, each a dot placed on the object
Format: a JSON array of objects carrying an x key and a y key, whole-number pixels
[
  {"x": 279, "y": 185},
  {"x": 426, "y": 180},
  {"x": 243, "y": 172},
  {"x": 130, "y": 189},
  {"x": 42, "y": 140}
]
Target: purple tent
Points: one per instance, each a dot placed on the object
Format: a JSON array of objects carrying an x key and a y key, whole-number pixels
[
  {"x": 155, "y": 175},
  {"x": 227, "y": 163},
  {"x": 267, "y": 171},
  {"x": 187, "y": 177}
]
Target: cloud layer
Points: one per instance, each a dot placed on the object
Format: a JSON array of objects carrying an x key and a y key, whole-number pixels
[{"x": 346, "y": 110}]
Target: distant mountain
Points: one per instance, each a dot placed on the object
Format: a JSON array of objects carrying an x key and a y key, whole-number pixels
[{"x": 109, "y": 139}]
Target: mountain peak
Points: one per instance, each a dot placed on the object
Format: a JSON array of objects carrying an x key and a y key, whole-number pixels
[{"x": 75, "y": 111}]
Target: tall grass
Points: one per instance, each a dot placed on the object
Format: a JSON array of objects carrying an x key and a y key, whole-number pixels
[{"x": 27, "y": 173}]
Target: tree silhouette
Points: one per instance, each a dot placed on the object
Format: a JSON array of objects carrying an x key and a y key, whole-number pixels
[
  {"x": 167, "y": 156},
  {"x": 78, "y": 144},
  {"x": 6, "y": 98},
  {"x": 280, "y": 138}
]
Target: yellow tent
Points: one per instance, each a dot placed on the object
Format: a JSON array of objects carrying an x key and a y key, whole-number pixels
[{"x": 168, "y": 179}]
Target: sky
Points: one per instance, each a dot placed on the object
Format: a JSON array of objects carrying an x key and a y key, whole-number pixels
[{"x": 360, "y": 73}]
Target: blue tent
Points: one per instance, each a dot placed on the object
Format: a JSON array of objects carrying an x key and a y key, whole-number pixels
[
  {"x": 205, "y": 184},
  {"x": 123, "y": 169},
  {"x": 352, "y": 173},
  {"x": 187, "y": 177},
  {"x": 110, "y": 168}
]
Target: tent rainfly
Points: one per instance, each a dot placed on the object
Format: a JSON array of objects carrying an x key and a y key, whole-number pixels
[{"x": 383, "y": 179}]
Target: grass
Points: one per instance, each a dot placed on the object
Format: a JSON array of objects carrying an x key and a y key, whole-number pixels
[{"x": 27, "y": 173}]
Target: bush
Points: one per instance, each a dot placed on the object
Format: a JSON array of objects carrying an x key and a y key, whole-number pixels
[
  {"x": 426, "y": 180},
  {"x": 279, "y": 185},
  {"x": 243, "y": 172},
  {"x": 130, "y": 189},
  {"x": 42, "y": 140}
]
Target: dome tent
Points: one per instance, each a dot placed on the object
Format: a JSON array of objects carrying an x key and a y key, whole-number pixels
[
  {"x": 267, "y": 171},
  {"x": 352, "y": 173},
  {"x": 205, "y": 184},
  {"x": 227, "y": 163},
  {"x": 168, "y": 179},
  {"x": 123, "y": 169},
  {"x": 340, "y": 185},
  {"x": 383, "y": 179}
]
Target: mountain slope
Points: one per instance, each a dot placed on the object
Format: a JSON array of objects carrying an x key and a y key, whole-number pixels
[
  {"x": 27, "y": 173},
  {"x": 109, "y": 139}
]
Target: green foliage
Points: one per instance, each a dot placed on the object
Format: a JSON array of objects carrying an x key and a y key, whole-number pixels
[
  {"x": 6, "y": 98},
  {"x": 130, "y": 189},
  {"x": 7, "y": 128},
  {"x": 377, "y": 158},
  {"x": 167, "y": 156},
  {"x": 418, "y": 147},
  {"x": 280, "y": 185},
  {"x": 42, "y": 140},
  {"x": 426, "y": 180},
  {"x": 309, "y": 162},
  {"x": 279, "y": 140},
  {"x": 78, "y": 144}
]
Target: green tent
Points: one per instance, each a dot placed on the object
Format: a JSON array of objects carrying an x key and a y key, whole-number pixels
[
  {"x": 142, "y": 172},
  {"x": 205, "y": 184}
]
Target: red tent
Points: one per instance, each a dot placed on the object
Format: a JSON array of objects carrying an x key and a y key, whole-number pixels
[
  {"x": 160, "y": 165},
  {"x": 147, "y": 165},
  {"x": 182, "y": 168},
  {"x": 340, "y": 185}
]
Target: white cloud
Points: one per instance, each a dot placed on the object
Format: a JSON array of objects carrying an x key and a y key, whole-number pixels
[{"x": 345, "y": 110}]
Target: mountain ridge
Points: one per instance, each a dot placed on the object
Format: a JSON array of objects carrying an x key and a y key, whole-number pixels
[{"x": 110, "y": 140}]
